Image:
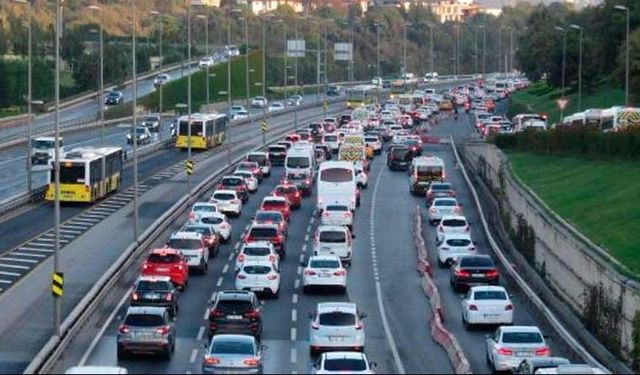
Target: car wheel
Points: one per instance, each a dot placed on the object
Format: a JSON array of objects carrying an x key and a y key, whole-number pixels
[
  {"x": 166, "y": 354},
  {"x": 343, "y": 290},
  {"x": 122, "y": 354},
  {"x": 313, "y": 352},
  {"x": 276, "y": 295},
  {"x": 173, "y": 312},
  {"x": 468, "y": 326},
  {"x": 305, "y": 289},
  {"x": 441, "y": 264}
]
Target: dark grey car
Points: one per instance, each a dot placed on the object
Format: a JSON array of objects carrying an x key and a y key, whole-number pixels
[{"x": 147, "y": 330}]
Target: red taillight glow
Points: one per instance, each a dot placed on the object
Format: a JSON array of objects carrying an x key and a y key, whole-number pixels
[
  {"x": 134, "y": 296},
  {"x": 251, "y": 362},
  {"x": 473, "y": 308},
  {"x": 168, "y": 297},
  {"x": 124, "y": 329},
  {"x": 252, "y": 314},
  {"x": 505, "y": 351},
  {"x": 509, "y": 307},
  {"x": 216, "y": 314},
  {"x": 315, "y": 325},
  {"x": 241, "y": 258},
  {"x": 164, "y": 330},
  {"x": 359, "y": 326},
  {"x": 272, "y": 258},
  {"x": 272, "y": 277},
  {"x": 211, "y": 360},
  {"x": 463, "y": 273},
  {"x": 543, "y": 352},
  {"x": 309, "y": 272},
  {"x": 340, "y": 273},
  {"x": 241, "y": 276},
  {"x": 492, "y": 273}
]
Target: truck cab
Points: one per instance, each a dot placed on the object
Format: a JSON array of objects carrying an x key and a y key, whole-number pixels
[
  {"x": 43, "y": 149},
  {"x": 423, "y": 171}
]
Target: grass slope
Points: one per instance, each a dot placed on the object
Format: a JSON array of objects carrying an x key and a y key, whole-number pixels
[{"x": 601, "y": 198}]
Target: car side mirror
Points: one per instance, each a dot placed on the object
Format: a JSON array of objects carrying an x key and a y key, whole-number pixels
[
  {"x": 373, "y": 364},
  {"x": 263, "y": 348},
  {"x": 362, "y": 315},
  {"x": 302, "y": 264}
]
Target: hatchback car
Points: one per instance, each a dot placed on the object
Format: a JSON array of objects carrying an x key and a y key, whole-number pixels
[
  {"x": 439, "y": 190},
  {"x": 453, "y": 246},
  {"x": 249, "y": 179},
  {"x": 290, "y": 192},
  {"x": 336, "y": 326},
  {"x": 257, "y": 251},
  {"x": 237, "y": 184},
  {"x": 235, "y": 311},
  {"x": 337, "y": 214},
  {"x": 228, "y": 202},
  {"x": 259, "y": 102},
  {"x": 143, "y": 136},
  {"x": 471, "y": 270},
  {"x": 208, "y": 233},
  {"x": 262, "y": 158},
  {"x": 259, "y": 276},
  {"x": 488, "y": 305},
  {"x": 277, "y": 154},
  {"x": 508, "y": 346},
  {"x": 271, "y": 217},
  {"x": 167, "y": 262},
  {"x": 275, "y": 203},
  {"x": 253, "y": 167},
  {"x": 193, "y": 247},
  {"x": 268, "y": 232},
  {"x": 324, "y": 271},
  {"x": 334, "y": 240},
  {"x": 114, "y": 98},
  {"x": 161, "y": 79},
  {"x": 441, "y": 207},
  {"x": 152, "y": 122},
  {"x": 218, "y": 221},
  {"x": 399, "y": 157},
  {"x": 233, "y": 354},
  {"x": 343, "y": 362},
  {"x": 146, "y": 330},
  {"x": 155, "y": 291},
  {"x": 276, "y": 106},
  {"x": 451, "y": 224}
]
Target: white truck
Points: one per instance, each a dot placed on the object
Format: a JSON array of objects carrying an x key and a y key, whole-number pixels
[{"x": 43, "y": 149}]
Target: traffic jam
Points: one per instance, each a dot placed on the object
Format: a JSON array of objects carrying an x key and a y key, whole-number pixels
[{"x": 329, "y": 160}]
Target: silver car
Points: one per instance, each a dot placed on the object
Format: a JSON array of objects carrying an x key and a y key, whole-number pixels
[
  {"x": 233, "y": 354},
  {"x": 147, "y": 330}
]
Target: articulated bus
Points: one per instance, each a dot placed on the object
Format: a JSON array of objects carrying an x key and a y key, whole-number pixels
[
  {"x": 87, "y": 174},
  {"x": 362, "y": 95},
  {"x": 207, "y": 131}
]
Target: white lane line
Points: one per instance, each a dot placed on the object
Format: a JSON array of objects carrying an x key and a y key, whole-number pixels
[
  {"x": 5, "y": 282},
  {"x": 294, "y": 298},
  {"x": 19, "y": 260},
  {"x": 247, "y": 227},
  {"x": 230, "y": 257},
  {"x": 9, "y": 274},
  {"x": 294, "y": 334},
  {"x": 309, "y": 229},
  {"x": 299, "y": 270},
  {"x": 236, "y": 246},
  {"x": 106, "y": 324},
  {"x": 111, "y": 206},
  {"x": 294, "y": 355},
  {"x": 313, "y": 220},
  {"x": 225, "y": 269},
  {"x": 294, "y": 315},
  {"x": 206, "y": 314},
  {"x": 26, "y": 248},
  {"x": 28, "y": 255},
  {"x": 13, "y": 266},
  {"x": 90, "y": 223},
  {"x": 296, "y": 285},
  {"x": 219, "y": 283},
  {"x": 74, "y": 227},
  {"x": 200, "y": 333},
  {"x": 304, "y": 248},
  {"x": 44, "y": 240},
  {"x": 306, "y": 237},
  {"x": 194, "y": 354},
  {"x": 302, "y": 257},
  {"x": 385, "y": 323}
]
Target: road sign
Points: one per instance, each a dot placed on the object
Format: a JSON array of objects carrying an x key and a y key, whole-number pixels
[
  {"x": 57, "y": 284},
  {"x": 264, "y": 127},
  {"x": 325, "y": 105},
  {"x": 343, "y": 52},
  {"x": 296, "y": 48},
  {"x": 190, "y": 166},
  {"x": 562, "y": 103}
]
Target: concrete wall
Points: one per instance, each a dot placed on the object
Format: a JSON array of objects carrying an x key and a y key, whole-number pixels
[{"x": 571, "y": 263}]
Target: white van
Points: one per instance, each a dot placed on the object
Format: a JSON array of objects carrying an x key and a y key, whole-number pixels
[
  {"x": 300, "y": 166},
  {"x": 337, "y": 184}
]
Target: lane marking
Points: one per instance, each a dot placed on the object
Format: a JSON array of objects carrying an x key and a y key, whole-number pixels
[
  {"x": 296, "y": 285},
  {"x": 28, "y": 255},
  {"x": 206, "y": 314},
  {"x": 194, "y": 354},
  {"x": 236, "y": 246},
  {"x": 225, "y": 269},
  {"x": 230, "y": 257},
  {"x": 302, "y": 257},
  {"x": 200, "y": 333},
  {"x": 106, "y": 324},
  {"x": 313, "y": 220},
  {"x": 294, "y": 355},
  {"x": 299, "y": 270},
  {"x": 294, "y": 298},
  {"x": 6, "y": 282},
  {"x": 389, "y": 335},
  {"x": 294, "y": 334},
  {"x": 294, "y": 315},
  {"x": 10, "y": 274},
  {"x": 306, "y": 238},
  {"x": 25, "y": 248},
  {"x": 219, "y": 283},
  {"x": 13, "y": 266},
  {"x": 309, "y": 229},
  {"x": 304, "y": 248}
]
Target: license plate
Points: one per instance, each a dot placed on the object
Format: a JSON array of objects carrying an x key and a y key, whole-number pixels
[
  {"x": 325, "y": 275},
  {"x": 257, "y": 289},
  {"x": 143, "y": 335},
  {"x": 152, "y": 296},
  {"x": 491, "y": 316},
  {"x": 162, "y": 269},
  {"x": 523, "y": 354},
  {"x": 336, "y": 338},
  {"x": 234, "y": 317},
  {"x": 478, "y": 275}
]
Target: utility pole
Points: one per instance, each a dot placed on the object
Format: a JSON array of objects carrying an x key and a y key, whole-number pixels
[
  {"x": 475, "y": 48},
  {"x": 484, "y": 49},
  {"x": 500, "y": 50},
  {"x": 580, "y": 29},
  {"x": 431, "y": 50},
  {"x": 511, "y": 51},
  {"x": 57, "y": 303},
  {"x": 626, "y": 75},
  {"x": 378, "y": 50},
  {"x": 206, "y": 38},
  {"x": 189, "y": 93},
  {"x": 318, "y": 59},
  {"x": 264, "y": 77},
  {"x": 564, "y": 63},
  {"x": 229, "y": 103},
  {"x": 286, "y": 68},
  {"x": 134, "y": 134},
  {"x": 295, "y": 113},
  {"x": 160, "y": 30},
  {"x": 246, "y": 61}
]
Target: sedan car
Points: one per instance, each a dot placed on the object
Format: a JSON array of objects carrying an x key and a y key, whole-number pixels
[
  {"x": 152, "y": 122},
  {"x": 261, "y": 251},
  {"x": 233, "y": 354},
  {"x": 240, "y": 115},
  {"x": 193, "y": 247},
  {"x": 253, "y": 167},
  {"x": 290, "y": 192},
  {"x": 259, "y": 276},
  {"x": 208, "y": 233},
  {"x": 262, "y": 158},
  {"x": 276, "y": 106},
  {"x": 344, "y": 362},
  {"x": 324, "y": 271},
  {"x": 228, "y": 202},
  {"x": 146, "y": 330},
  {"x": 336, "y": 326},
  {"x": 295, "y": 100},
  {"x": 235, "y": 311},
  {"x": 275, "y": 203},
  {"x": 399, "y": 157},
  {"x": 161, "y": 79},
  {"x": 451, "y": 224},
  {"x": 218, "y": 221},
  {"x": 259, "y": 102},
  {"x": 337, "y": 214},
  {"x": 334, "y": 240},
  {"x": 453, "y": 246},
  {"x": 155, "y": 291},
  {"x": 167, "y": 262},
  {"x": 439, "y": 190},
  {"x": 441, "y": 207},
  {"x": 487, "y": 305},
  {"x": 471, "y": 270},
  {"x": 114, "y": 98},
  {"x": 143, "y": 136},
  {"x": 535, "y": 365},
  {"x": 508, "y": 346}
]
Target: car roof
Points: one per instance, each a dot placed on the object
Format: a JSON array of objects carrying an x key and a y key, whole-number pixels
[
  {"x": 165, "y": 251},
  {"x": 449, "y": 236},
  {"x": 324, "y": 257},
  {"x": 186, "y": 235},
  {"x": 348, "y": 307},
  {"x": 236, "y": 295},
  {"x": 274, "y": 198},
  {"x": 211, "y": 214},
  {"x": 488, "y": 288},
  {"x": 454, "y": 217},
  {"x": 264, "y": 225},
  {"x": 344, "y": 355},
  {"x": 445, "y": 199},
  {"x": 96, "y": 370},
  {"x": 146, "y": 310},
  {"x": 224, "y": 192},
  {"x": 519, "y": 329},
  {"x": 271, "y": 212},
  {"x": 257, "y": 244},
  {"x": 154, "y": 278},
  {"x": 257, "y": 263},
  {"x": 233, "y": 337}
]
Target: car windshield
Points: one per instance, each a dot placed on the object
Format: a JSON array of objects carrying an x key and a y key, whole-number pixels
[
  {"x": 324, "y": 263},
  {"x": 476, "y": 262},
  {"x": 333, "y": 236},
  {"x": 151, "y": 119},
  {"x": 144, "y": 320},
  {"x": 257, "y": 251},
  {"x": 440, "y": 187},
  {"x": 489, "y": 295},
  {"x": 263, "y": 232},
  {"x": 330, "y": 138},
  {"x": 337, "y": 318},
  {"x": 445, "y": 203},
  {"x": 336, "y": 175},
  {"x": 184, "y": 243},
  {"x": 232, "y": 347},
  {"x": 256, "y": 270},
  {"x": 400, "y": 153},
  {"x": 454, "y": 223},
  {"x": 522, "y": 338},
  {"x": 41, "y": 144},
  {"x": 224, "y": 196},
  {"x": 232, "y": 181},
  {"x": 164, "y": 259},
  {"x": 371, "y": 139},
  {"x": 234, "y": 306},
  {"x": 345, "y": 364},
  {"x": 213, "y": 220},
  {"x": 458, "y": 242},
  {"x": 150, "y": 286},
  {"x": 286, "y": 189},
  {"x": 275, "y": 217},
  {"x": 298, "y": 162},
  {"x": 260, "y": 159},
  {"x": 277, "y": 149}
]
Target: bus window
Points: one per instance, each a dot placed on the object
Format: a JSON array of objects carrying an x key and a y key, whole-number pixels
[{"x": 70, "y": 173}]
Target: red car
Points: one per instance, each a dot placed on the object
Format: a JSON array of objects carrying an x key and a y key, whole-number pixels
[
  {"x": 167, "y": 262},
  {"x": 280, "y": 204},
  {"x": 267, "y": 232},
  {"x": 290, "y": 192},
  {"x": 252, "y": 167},
  {"x": 293, "y": 138},
  {"x": 271, "y": 217}
]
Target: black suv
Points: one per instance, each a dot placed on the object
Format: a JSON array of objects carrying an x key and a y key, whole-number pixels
[
  {"x": 277, "y": 154},
  {"x": 236, "y": 311},
  {"x": 157, "y": 291},
  {"x": 399, "y": 157}
]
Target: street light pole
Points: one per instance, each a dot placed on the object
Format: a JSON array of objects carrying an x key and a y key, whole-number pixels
[
  {"x": 500, "y": 50},
  {"x": 100, "y": 96},
  {"x": 404, "y": 51},
  {"x": 511, "y": 51},
  {"x": 564, "y": 63},
  {"x": 229, "y": 104},
  {"x": 626, "y": 75},
  {"x": 484, "y": 49},
  {"x": 57, "y": 309},
  {"x": 246, "y": 59},
  {"x": 295, "y": 112},
  {"x": 206, "y": 38},
  {"x": 378, "y": 50},
  {"x": 160, "y": 30},
  {"x": 189, "y": 92},
  {"x": 431, "y": 51},
  {"x": 285, "y": 71},
  {"x": 134, "y": 134},
  {"x": 579, "y": 28},
  {"x": 475, "y": 48}
]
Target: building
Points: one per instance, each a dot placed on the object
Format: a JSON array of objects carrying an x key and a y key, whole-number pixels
[
  {"x": 454, "y": 10},
  {"x": 262, "y": 6},
  {"x": 496, "y": 12}
]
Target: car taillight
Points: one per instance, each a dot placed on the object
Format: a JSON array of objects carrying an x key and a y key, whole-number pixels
[
  {"x": 440, "y": 229},
  {"x": 492, "y": 273},
  {"x": 272, "y": 277},
  {"x": 251, "y": 361},
  {"x": 466, "y": 229},
  {"x": 432, "y": 210},
  {"x": 241, "y": 276},
  {"x": 346, "y": 215},
  {"x": 326, "y": 214},
  {"x": 463, "y": 273},
  {"x": 211, "y": 360},
  {"x": 179, "y": 267},
  {"x": 272, "y": 258},
  {"x": 473, "y": 308},
  {"x": 163, "y": 330},
  {"x": 224, "y": 225},
  {"x": 253, "y": 314},
  {"x": 509, "y": 307},
  {"x": 145, "y": 266},
  {"x": 168, "y": 297},
  {"x": 315, "y": 325},
  {"x": 216, "y": 314},
  {"x": 505, "y": 351},
  {"x": 124, "y": 329},
  {"x": 543, "y": 352},
  {"x": 309, "y": 272},
  {"x": 135, "y": 296},
  {"x": 445, "y": 248},
  {"x": 235, "y": 201},
  {"x": 340, "y": 273},
  {"x": 241, "y": 258},
  {"x": 359, "y": 326}
]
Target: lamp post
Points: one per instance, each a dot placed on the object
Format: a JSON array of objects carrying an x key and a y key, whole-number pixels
[
  {"x": 475, "y": 48},
  {"x": 189, "y": 92},
  {"x": 564, "y": 62},
  {"x": 404, "y": 50},
  {"x": 29, "y": 90},
  {"x": 134, "y": 133},
  {"x": 500, "y": 50},
  {"x": 511, "y": 29},
  {"x": 431, "y": 50},
  {"x": 57, "y": 309},
  {"x": 206, "y": 42},
  {"x": 160, "y": 30},
  {"x": 626, "y": 64},
  {"x": 377, "y": 25},
  {"x": 484, "y": 48},
  {"x": 98, "y": 8},
  {"x": 579, "y": 28}
]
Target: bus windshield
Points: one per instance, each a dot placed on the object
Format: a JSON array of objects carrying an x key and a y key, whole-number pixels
[
  {"x": 196, "y": 128},
  {"x": 71, "y": 173}
]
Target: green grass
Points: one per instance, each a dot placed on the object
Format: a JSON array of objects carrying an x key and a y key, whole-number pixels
[
  {"x": 601, "y": 198},
  {"x": 541, "y": 98},
  {"x": 66, "y": 79},
  {"x": 10, "y": 112}
]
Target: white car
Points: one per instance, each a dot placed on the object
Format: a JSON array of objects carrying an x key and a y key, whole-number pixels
[
  {"x": 218, "y": 221},
  {"x": 227, "y": 201},
  {"x": 261, "y": 251},
  {"x": 262, "y": 158},
  {"x": 161, "y": 79},
  {"x": 487, "y": 305},
  {"x": 249, "y": 179},
  {"x": 332, "y": 140},
  {"x": 259, "y": 102},
  {"x": 324, "y": 271},
  {"x": 336, "y": 326},
  {"x": 361, "y": 176},
  {"x": 202, "y": 207},
  {"x": 344, "y": 362},
  {"x": 337, "y": 214},
  {"x": 387, "y": 115},
  {"x": 205, "y": 62},
  {"x": 276, "y": 106},
  {"x": 454, "y": 246},
  {"x": 240, "y": 115},
  {"x": 259, "y": 277},
  {"x": 452, "y": 224},
  {"x": 374, "y": 143},
  {"x": 508, "y": 346},
  {"x": 441, "y": 207},
  {"x": 334, "y": 240},
  {"x": 192, "y": 246}
]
